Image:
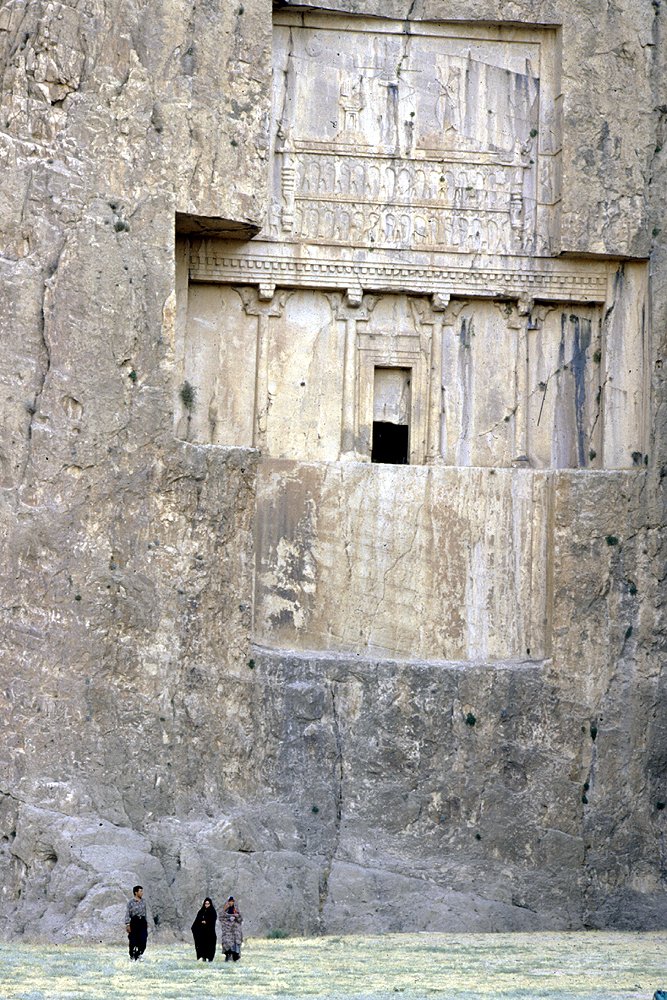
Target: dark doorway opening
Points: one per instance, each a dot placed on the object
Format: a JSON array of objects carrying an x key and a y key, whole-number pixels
[{"x": 390, "y": 443}]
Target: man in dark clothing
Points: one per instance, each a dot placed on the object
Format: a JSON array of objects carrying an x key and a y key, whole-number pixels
[{"x": 136, "y": 924}]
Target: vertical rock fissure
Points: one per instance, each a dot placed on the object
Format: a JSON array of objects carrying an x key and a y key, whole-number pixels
[{"x": 338, "y": 788}]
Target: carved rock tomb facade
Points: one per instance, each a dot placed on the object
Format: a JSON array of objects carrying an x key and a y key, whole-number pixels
[{"x": 333, "y": 427}]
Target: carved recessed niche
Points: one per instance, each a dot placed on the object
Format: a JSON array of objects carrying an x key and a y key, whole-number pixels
[{"x": 413, "y": 225}]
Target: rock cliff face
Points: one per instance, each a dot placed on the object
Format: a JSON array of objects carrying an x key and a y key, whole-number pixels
[{"x": 357, "y": 696}]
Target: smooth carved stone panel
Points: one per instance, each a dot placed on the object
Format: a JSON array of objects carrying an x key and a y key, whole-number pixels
[
  {"x": 441, "y": 138},
  {"x": 564, "y": 389},
  {"x": 220, "y": 364},
  {"x": 481, "y": 395},
  {"x": 417, "y": 563},
  {"x": 305, "y": 380},
  {"x": 523, "y": 391}
]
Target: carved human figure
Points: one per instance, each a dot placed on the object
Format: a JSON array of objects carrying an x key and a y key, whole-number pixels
[
  {"x": 357, "y": 227},
  {"x": 327, "y": 221},
  {"x": 373, "y": 181},
  {"x": 404, "y": 182},
  {"x": 344, "y": 175},
  {"x": 493, "y": 237},
  {"x": 475, "y": 235},
  {"x": 388, "y": 183},
  {"x": 358, "y": 180},
  {"x": 312, "y": 222},
  {"x": 310, "y": 175},
  {"x": 326, "y": 180},
  {"x": 341, "y": 225},
  {"x": 420, "y": 236},
  {"x": 450, "y": 102},
  {"x": 371, "y": 231}
]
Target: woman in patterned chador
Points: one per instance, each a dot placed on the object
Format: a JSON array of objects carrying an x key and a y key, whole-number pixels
[{"x": 231, "y": 931}]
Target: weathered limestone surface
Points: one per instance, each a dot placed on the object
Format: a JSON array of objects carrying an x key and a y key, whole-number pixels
[
  {"x": 425, "y": 563},
  {"x": 157, "y": 726}
]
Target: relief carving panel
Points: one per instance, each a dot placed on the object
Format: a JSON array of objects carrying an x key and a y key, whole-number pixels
[{"x": 428, "y": 140}]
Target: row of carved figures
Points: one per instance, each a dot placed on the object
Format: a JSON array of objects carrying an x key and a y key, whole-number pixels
[
  {"x": 440, "y": 229},
  {"x": 375, "y": 180}
]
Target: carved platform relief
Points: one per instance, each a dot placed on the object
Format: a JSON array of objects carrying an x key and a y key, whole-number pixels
[{"x": 419, "y": 141}]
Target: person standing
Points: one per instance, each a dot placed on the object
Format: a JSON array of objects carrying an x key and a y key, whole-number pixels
[
  {"x": 203, "y": 931},
  {"x": 136, "y": 924},
  {"x": 231, "y": 931}
]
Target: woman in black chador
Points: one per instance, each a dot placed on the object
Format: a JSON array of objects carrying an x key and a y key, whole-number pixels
[{"x": 203, "y": 931}]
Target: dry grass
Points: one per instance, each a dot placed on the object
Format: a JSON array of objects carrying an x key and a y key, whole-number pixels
[{"x": 592, "y": 966}]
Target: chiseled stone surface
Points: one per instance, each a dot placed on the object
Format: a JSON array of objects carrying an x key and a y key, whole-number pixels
[
  {"x": 425, "y": 563},
  {"x": 145, "y": 737}
]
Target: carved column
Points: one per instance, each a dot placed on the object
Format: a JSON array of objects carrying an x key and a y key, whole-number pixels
[
  {"x": 428, "y": 319},
  {"x": 439, "y": 305},
  {"x": 450, "y": 412},
  {"x": 519, "y": 320},
  {"x": 353, "y": 309},
  {"x": 526, "y": 319},
  {"x": 257, "y": 302}
]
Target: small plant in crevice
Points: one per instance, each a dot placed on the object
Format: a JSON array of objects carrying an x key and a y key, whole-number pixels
[
  {"x": 315, "y": 810},
  {"x": 251, "y": 664},
  {"x": 597, "y": 357},
  {"x": 637, "y": 457},
  {"x": 470, "y": 719},
  {"x": 660, "y": 806},
  {"x": 187, "y": 395},
  {"x": 132, "y": 375},
  {"x": 611, "y": 540},
  {"x": 593, "y": 731},
  {"x": 591, "y": 454},
  {"x": 628, "y": 632}
]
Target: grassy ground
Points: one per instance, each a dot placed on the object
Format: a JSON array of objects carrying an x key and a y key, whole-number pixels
[{"x": 591, "y": 966}]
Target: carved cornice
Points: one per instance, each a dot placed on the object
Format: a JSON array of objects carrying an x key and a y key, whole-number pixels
[{"x": 444, "y": 276}]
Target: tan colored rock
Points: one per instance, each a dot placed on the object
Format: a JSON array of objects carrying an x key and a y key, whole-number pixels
[{"x": 240, "y": 656}]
